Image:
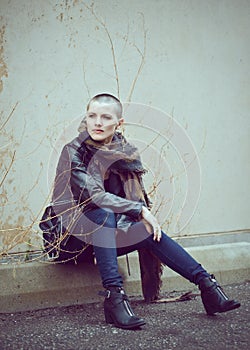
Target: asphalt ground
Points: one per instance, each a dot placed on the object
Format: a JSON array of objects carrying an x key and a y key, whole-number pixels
[{"x": 174, "y": 325}]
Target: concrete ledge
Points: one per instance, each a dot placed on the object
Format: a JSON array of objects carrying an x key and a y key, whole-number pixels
[{"x": 36, "y": 285}]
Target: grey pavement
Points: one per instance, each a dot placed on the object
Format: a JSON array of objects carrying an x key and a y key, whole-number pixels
[{"x": 176, "y": 325}]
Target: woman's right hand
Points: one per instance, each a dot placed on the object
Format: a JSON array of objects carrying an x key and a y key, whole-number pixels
[{"x": 151, "y": 223}]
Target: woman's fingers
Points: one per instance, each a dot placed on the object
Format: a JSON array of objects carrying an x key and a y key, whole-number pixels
[
  {"x": 156, "y": 230},
  {"x": 157, "y": 233},
  {"x": 150, "y": 218}
]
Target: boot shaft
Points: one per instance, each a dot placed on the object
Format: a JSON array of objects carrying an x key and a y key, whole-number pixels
[
  {"x": 117, "y": 309},
  {"x": 214, "y": 298},
  {"x": 210, "y": 284}
]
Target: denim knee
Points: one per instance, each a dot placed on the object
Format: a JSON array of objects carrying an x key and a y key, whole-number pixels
[{"x": 104, "y": 217}]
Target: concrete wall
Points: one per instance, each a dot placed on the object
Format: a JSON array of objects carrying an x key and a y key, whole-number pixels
[{"x": 56, "y": 54}]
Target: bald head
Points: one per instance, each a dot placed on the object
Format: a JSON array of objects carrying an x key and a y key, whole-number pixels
[{"x": 107, "y": 99}]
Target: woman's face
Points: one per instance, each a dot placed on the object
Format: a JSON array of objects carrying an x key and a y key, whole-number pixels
[{"x": 102, "y": 121}]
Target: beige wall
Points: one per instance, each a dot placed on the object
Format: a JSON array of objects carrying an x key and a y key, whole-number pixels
[{"x": 55, "y": 54}]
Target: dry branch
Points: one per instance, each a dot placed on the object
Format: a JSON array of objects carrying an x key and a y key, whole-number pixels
[
  {"x": 143, "y": 55},
  {"x": 9, "y": 167},
  {"x": 102, "y": 23},
  {"x": 9, "y": 116}
]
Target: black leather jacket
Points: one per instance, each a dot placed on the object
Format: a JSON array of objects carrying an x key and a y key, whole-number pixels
[{"x": 76, "y": 183}]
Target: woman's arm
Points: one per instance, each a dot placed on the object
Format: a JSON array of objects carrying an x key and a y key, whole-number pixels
[{"x": 87, "y": 189}]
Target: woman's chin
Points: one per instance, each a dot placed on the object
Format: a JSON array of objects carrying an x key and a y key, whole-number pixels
[
  {"x": 101, "y": 138},
  {"x": 97, "y": 137}
]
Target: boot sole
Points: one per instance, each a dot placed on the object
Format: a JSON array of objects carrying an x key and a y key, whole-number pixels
[
  {"x": 109, "y": 320},
  {"x": 232, "y": 307},
  {"x": 136, "y": 326}
]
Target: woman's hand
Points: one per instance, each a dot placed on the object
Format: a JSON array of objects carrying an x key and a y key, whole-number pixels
[{"x": 151, "y": 223}]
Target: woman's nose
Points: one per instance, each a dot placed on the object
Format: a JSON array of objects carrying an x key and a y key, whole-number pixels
[{"x": 98, "y": 121}]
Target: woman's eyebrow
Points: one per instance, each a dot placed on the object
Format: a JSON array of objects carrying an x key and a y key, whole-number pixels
[{"x": 106, "y": 114}]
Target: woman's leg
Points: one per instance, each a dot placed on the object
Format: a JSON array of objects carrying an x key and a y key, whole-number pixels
[
  {"x": 117, "y": 309},
  {"x": 169, "y": 252},
  {"x": 174, "y": 256},
  {"x": 104, "y": 244}
]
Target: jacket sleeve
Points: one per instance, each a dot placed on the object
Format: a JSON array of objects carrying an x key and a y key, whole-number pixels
[{"x": 88, "y": 189}]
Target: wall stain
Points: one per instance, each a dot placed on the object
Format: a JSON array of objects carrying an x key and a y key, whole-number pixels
[
  {"x": 60, "y": 17},
  {"x": 3, "y": 66}
]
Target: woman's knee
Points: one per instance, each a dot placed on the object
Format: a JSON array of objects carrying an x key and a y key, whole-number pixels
[{"x": 102, "y": 216}]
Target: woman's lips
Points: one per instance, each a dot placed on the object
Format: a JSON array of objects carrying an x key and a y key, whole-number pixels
[{"x": 98, "y": 131}]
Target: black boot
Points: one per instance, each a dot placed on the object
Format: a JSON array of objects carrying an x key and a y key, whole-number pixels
[
  {"x": 213, "y": 297},
  {"x": 117, "y": 310}
]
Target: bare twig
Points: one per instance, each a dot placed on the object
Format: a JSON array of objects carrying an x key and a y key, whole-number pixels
[
  {"x": 85, "y": 81},
  {"x": 184, "y": 297},
  {"x": 9, "y": 116},
  {"x": 8, "y": 170},
  {"x": 143, "y": 55},
  {"x": 102, "y": 23}
]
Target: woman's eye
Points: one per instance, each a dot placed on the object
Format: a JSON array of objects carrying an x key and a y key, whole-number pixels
[
  {"x": 91, "y": 115},
  {"x": 107, "y": 117}
]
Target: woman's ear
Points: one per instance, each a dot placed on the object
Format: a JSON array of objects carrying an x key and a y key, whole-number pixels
[{"x": 120, "y": 122}]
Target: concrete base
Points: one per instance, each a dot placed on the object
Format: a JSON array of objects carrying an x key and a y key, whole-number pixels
[{"x": 36, "y": 285}]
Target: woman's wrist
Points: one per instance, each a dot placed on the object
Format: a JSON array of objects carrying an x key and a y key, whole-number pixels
[{"x": 144, "y": 211}]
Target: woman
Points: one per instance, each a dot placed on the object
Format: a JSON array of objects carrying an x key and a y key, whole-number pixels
[{"x": 101, "y": 174}]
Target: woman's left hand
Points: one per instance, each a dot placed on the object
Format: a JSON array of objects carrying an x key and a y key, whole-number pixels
[{"x": 151, "y": 222}]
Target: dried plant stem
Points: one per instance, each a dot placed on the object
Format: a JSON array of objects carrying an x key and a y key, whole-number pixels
[
  {"x": 85, "y": 80},
  {"x": 9, "y": 116},
  {"x": 143, "y": 55},
  {"x": 102, "y": 23},
  {"x": 8, "y": 170}
]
